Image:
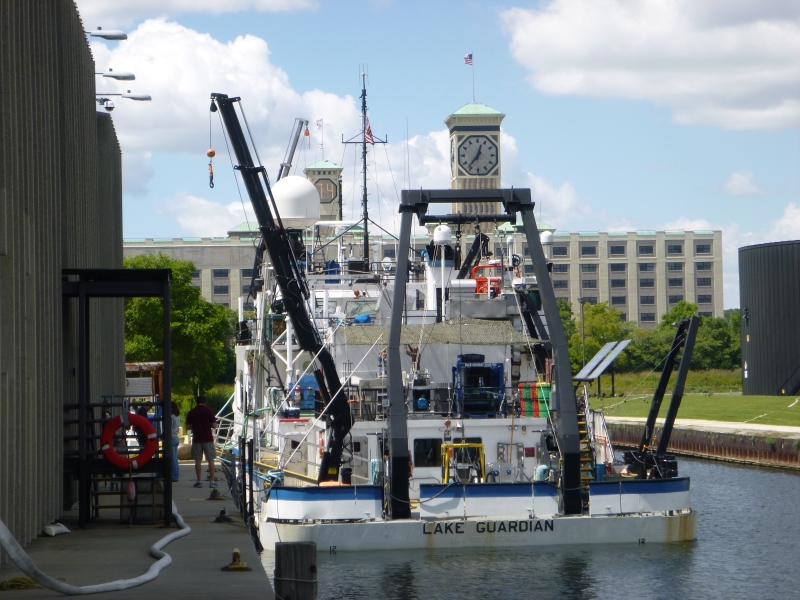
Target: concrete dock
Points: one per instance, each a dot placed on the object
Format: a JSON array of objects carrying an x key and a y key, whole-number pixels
[
  {"x": 746, "y": 443},
  {"x": 108, "y": 551}
]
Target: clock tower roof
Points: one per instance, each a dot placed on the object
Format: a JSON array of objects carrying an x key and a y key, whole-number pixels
[
  {"x": 323, "y": 164},
  {"x": 477, "y": 109}
]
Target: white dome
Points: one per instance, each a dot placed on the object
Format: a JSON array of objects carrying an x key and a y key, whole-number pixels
[
  {"x": 546, "y": 238},
  {"x": 296, "y": 198},
  {"x": 442, "y": 235}
]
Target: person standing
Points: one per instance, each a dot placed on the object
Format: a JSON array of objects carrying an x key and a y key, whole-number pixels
[
  {"x": 175, "y": 422},
  {"x": 200, "y": 420}
]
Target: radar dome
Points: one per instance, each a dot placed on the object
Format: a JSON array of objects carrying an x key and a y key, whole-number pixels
[
  {"x": 297, "y": 198},
  {"x": 442, "y": 235},
  {"x": 546, "y": 238}
]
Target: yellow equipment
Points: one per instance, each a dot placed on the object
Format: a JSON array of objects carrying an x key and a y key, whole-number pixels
[{"x": 463, "y": 463}]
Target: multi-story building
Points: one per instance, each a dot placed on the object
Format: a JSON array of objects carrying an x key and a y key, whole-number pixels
[{"x": 642, "y": 274}]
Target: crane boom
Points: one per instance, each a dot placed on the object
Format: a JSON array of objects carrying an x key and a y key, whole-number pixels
[{"x": 291, "y": 283}]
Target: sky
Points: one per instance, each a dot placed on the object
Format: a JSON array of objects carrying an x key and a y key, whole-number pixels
[{"x": 620, "y": 115}]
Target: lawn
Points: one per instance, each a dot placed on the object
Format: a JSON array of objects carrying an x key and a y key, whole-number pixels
[{"x": 766, "y": 410}]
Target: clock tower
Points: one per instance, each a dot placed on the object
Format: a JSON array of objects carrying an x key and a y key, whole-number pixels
[
  {"x": 474, "y": 154},
  {"x": 327, "y": 178}
]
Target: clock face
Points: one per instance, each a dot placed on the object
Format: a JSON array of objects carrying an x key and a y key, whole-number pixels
[
  {"x": 477, "y": 155},
  {"x": 327, "y": 189}
]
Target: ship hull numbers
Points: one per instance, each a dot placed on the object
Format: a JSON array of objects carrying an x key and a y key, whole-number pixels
[{"x": 484, "y": 527}]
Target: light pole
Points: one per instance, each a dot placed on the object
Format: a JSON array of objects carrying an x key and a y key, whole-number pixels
[
  {"x": 106, "y": 103},
  {"x": 583, "y": 334}
]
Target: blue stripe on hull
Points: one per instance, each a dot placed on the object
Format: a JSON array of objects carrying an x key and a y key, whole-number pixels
[
  {"x": 486, "y": 490},
  {"x": 639, "y": 486},
  {"x": 326, "y": 494}
]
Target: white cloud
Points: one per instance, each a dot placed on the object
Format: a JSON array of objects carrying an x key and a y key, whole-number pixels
[
  {"x": 202, "y": 217},
  {"x": 741, "y": 183},
  {"x": 726, "y": 63},
  {"x": 787, "y": 227},
  {"x": 180, "y": 68},
  {"x": 122, "y": 13}
]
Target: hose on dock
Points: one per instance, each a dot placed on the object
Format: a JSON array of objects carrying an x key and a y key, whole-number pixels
[{"x": 27, "y": 566}]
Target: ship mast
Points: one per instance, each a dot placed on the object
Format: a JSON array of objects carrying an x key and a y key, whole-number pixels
[{"x": 366, "y": 138}]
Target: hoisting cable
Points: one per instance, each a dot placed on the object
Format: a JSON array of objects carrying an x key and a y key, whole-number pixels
[{"x": 27, "y": 566}]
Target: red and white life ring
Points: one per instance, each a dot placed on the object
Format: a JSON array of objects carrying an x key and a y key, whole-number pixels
[{"x": 124, "y": 462}]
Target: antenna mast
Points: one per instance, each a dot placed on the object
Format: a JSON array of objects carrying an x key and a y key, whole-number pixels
[{"x": 366, "y": 137}]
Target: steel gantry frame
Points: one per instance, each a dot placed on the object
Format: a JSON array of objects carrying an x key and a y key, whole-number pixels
[{"x": 514, "y": 201}]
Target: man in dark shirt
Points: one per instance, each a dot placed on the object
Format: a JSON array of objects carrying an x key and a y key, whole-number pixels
[{"x": 200, "y": 421}]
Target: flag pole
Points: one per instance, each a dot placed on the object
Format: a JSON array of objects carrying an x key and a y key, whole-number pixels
[{"x": 473, "y": 77}]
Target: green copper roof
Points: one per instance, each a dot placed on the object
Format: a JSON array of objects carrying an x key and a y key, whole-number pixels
[
  {"x": 477, "y": 109},
  {"x": 323, "y": 164},
  {"x": 246, "y": 226}
]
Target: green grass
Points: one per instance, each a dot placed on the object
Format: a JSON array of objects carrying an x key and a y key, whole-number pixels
[
  {"x": 764, "y": 410},
  {"x": 716, "y": 381}
]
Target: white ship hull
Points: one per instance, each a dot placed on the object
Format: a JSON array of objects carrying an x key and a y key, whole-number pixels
[{"x": 485, "y": 532}]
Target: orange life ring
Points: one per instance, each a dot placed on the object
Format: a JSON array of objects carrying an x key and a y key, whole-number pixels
[{"x": 122, "y": 462}]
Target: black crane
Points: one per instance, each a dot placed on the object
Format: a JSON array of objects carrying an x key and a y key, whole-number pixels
[{"x": 292, "y": 285}]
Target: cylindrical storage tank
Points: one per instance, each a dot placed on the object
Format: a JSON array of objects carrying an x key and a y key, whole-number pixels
[{"x": 769, "y": 297}]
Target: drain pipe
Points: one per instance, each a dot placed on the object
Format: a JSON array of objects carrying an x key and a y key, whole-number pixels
[{"x": 26, "y": 565}]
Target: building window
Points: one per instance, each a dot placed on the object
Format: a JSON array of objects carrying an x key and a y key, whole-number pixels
[
  {"x": 618, "y": 300},
  {"x": 645, "y": 283},
  {"x": 196, "y": 274},
  {"x": 529, "y": 270},
  {"x": 389, "y": 253},
  {"x": 647, "y": 266},
  {"x": 616, "y": 250},
  {"x": 589, "y": 284},
  {"x": 246, "y": 289},
  {"x": 647, "y": 317},
  {"x": 675, "y": 282},
  {"x": 703, "y": 249},
  {"x": 645, "y": 250},
  {"x": 704, "y": 282},
  {"x": 221, "y": 290},
  {"x": 705, "y": 314},
  {"x": 647, "y": 300},
  {"x": 674, "y": 266},
  {"x": 623, "y": 317},
  {"x": 588, "y": 250},
  {"x": 559, "y": 284},
  {"x": 220, "y": 273},
  {"x": 674, "y": 299},
  {"x": 561, "y": 268},
  {"x": 704, "y": 299},
  {"x": 617, "y": 267},
  {"x": 617, "y": 283},
  {"x": 590, "y": 300},
  {"x": 559, "y": 250},
  {"x": 525, "y": 250},
  {"x": 500, "y": 251},
  {"x": 674, "y": 248},
  {"x": 589, "y": 268},
  {"x": 225, "y": 304},
  {"x": 702, "y": 266},
  {"x": 247, "y": 273}
]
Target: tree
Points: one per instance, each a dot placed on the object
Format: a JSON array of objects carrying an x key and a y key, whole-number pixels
[
  {"x": 567, "y": 319},
  {"x": 602, "y": 324},
  {"x": 682, "y": 309},
  {"x": 201, "y": 331}
]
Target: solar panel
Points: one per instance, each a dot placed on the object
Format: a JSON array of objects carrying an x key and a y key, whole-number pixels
[
  {"x": 609, "y": 359},
  {"x": 594, "y": 362}
]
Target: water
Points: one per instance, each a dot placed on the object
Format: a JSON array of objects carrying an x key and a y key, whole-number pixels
[{"x": 748, "y": 545}]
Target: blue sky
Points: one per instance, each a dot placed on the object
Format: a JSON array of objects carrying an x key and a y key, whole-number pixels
[{"x": 620, "y": 115}]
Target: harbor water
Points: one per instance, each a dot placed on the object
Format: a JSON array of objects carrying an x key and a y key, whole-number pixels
[{"x": 748, "y": 545}]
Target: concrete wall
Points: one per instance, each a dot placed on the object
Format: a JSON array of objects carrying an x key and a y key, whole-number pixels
[{"x": 60, "y": 207}]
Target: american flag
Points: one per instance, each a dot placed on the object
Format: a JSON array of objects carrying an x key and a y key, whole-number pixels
[
  {"x": 368, "y": 133},
  {"x": 468, "y": 59}
]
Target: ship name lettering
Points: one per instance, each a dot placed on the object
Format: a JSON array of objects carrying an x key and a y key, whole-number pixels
[
  {"x": 522, "y": 526},
  {"x": 450, "y": 527}
]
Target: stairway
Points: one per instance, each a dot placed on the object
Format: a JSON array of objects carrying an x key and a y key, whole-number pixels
[{"x": 587, "y": 452}]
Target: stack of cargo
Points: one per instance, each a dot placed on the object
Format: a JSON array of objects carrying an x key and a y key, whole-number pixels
[{"x": 534, "y": 399}]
